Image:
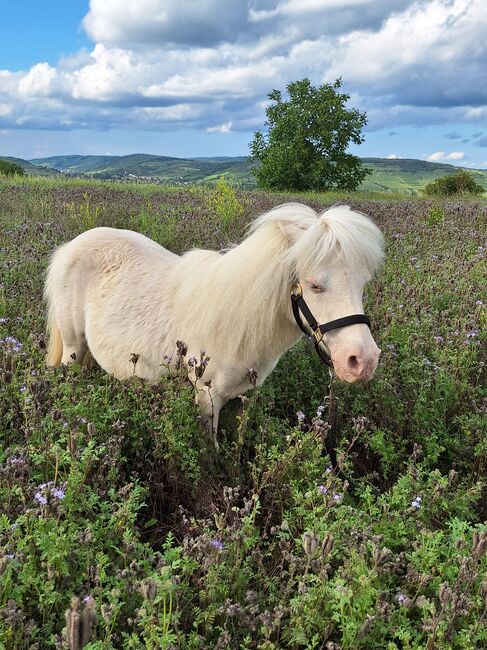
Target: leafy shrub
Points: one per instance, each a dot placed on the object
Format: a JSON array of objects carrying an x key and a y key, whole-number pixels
[
  {"x": 225, "y": 203},
  {"x": 8, "y": 168},
  {"x": 461, "y": 182}
]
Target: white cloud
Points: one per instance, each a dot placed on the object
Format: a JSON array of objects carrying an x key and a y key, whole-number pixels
[
  {"x": 441, "y": 155},
  {"x": 209, "y": 63},
  {"x": 226, "y": 127},
  {"x": 38, "y": 82},
  {"x": 392, "y": 156}
]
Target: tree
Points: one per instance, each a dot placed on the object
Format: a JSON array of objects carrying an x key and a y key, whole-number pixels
[
  {"x": 10, "y": 169},
  {"x": 461, "y": 182},
  {"x": 305, "y": 147}
]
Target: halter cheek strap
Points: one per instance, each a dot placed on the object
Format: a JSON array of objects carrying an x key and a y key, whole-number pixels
[{"x": 299, "y": 306}]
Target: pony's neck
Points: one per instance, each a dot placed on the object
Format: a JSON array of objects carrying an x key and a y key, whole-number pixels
[{"x": 260, "y": 269}]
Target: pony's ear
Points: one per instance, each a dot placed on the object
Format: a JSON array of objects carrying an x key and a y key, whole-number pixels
[{"x": 292, "y": 230}]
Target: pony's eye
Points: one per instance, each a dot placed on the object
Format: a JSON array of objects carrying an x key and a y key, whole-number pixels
[{"x": 316, "y": 287}]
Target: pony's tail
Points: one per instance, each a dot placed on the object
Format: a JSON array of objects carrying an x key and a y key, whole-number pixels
[{"x": 55, "y": 344}]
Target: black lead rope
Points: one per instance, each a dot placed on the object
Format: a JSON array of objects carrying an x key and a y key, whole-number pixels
[{"x": 299, "y": 307}]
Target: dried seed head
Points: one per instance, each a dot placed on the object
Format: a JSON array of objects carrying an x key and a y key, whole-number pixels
[
  {"x": 380, "y": 556},
  {"x": 91, "y": 428},
  {"x": 479, "y": 544},
  {"x": 445, "y": 594},
  {"x": 88, "y": 622},
  {"x": 327, "y": 546},
  {"x": 310, "y": 543},
  {"x": 148, "y": 589},
  {"x": 366, "y": 625}
]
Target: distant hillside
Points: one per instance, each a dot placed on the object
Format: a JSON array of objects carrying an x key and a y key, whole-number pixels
[
  {"x": 396, "y": 175},
  {"x": 30, "y": 168},
  {"x": 409, "y": 175},
  {"x": 164, "y": 168}
]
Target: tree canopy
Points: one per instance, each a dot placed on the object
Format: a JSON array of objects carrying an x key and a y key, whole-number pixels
[
  {"x": 10, "y": 169},
  {"x": 305, "y": 147}
]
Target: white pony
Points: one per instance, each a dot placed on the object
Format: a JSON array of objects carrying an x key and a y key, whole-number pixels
[{"x": 116, "y": 294}]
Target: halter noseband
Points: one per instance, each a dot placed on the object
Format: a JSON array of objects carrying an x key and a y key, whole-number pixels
[{"x": 299, "y": 305}]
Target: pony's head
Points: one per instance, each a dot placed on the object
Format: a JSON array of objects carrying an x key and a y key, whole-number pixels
[{"x": 333, "y": 256}]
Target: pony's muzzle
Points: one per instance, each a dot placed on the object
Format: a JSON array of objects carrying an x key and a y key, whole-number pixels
[{"x": 358, "y": 365}]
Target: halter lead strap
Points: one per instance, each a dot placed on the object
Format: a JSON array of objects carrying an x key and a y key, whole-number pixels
[{"x": 298, "y": 304}]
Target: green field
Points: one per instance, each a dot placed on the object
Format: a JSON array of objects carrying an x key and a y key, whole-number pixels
[{"x": 120, "y": 526}]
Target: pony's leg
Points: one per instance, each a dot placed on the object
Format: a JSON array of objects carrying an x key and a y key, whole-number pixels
[
  {"x": 210, "y": 405},
  {"x": 74, "y": 351},
  {"x": 75, "y": 346}
]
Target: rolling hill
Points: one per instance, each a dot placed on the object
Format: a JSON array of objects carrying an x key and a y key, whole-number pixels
[
  {"x": 164, "y": 168},
  {"x": 30, "y": 168},
  {"x": 388, "y": 175},
  {"x": 409, "y": 175}
]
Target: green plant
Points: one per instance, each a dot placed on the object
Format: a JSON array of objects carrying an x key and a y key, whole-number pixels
[{"x": 225, "y": 203}]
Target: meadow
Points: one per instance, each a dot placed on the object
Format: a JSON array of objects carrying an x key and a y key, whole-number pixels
[{"x": 121, "y": 527}]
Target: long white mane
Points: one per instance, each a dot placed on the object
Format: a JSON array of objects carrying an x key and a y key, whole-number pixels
[{"x": 244, "y": 288}]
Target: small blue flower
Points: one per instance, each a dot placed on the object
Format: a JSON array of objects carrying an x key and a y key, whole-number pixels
[
  {"x": 416, "y": 503},
  {"x": 323, "y": 489},
  {"x": 401, "y": 599},
  {"x": 58, "y": 493},
  {"x": 217, "y": 543},
  {"x": 40, "y": 498},
  {"x": 301, "y": 416}
]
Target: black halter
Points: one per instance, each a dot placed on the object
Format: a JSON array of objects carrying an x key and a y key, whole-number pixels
[{"x": 299, "y": 305}]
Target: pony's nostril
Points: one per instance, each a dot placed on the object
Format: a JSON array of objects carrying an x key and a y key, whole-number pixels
[{"x": 354, "y": 363}]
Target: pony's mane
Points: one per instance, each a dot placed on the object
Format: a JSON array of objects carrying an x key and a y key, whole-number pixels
[
  {"x": 241, "y": 290},
  {"x": 337, "y": 233}
]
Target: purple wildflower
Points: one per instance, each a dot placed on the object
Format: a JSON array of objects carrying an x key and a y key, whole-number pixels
[
  {"x": 320, "y": 409},
  {"x": 323, "y": 489},
  {"x": 416, "y": 503},
  {"x": 329, "y": 469},
  {"x": 58, "y": 493},
  {"x": 479, "y": 303},
  {"x": 337, "y": 498},
  {"x": 217, "y": 543},
  {"x": 301, "y": 416},
  {"x": 401, "y": 599},
  {"x": 15, "y": 460},
  {"x": 13, "y": 344},
  {"x": 40, "y": 498}
]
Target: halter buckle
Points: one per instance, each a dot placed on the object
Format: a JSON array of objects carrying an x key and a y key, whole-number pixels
[
  {"x": 296, "y": 289},
  {"x": 318, "y": 334}
]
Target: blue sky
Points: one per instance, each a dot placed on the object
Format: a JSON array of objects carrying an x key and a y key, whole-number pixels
[{"x": 191, "y": 79}]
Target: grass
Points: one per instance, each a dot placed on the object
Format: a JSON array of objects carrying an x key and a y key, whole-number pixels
[{"x": 120, "y": 528}]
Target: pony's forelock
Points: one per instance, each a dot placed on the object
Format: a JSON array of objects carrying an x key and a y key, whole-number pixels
[{"x": 340, "y": 234}]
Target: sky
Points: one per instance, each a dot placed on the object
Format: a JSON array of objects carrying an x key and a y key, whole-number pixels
[{"x": 190, "y": 78}]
